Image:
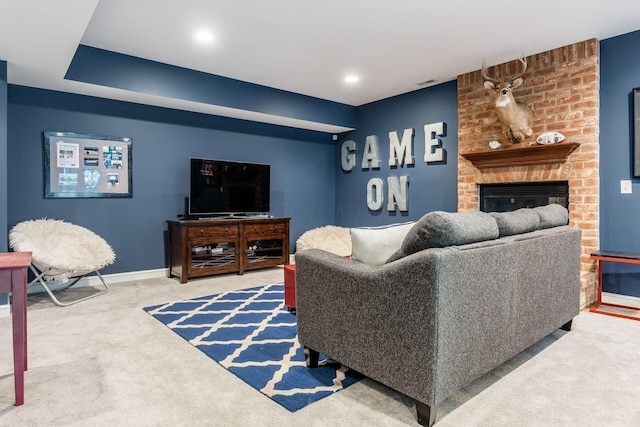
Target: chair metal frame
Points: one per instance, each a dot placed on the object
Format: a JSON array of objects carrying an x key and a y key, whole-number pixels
[{"x": 74, "y": 280}]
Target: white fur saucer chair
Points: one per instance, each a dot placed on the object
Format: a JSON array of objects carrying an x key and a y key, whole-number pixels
[
  {"x": 61, "y": 251},
  {"x": 330, "y": 238}
]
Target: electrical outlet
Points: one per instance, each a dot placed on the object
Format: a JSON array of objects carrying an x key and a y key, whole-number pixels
[{"x": 625, "y": 186}]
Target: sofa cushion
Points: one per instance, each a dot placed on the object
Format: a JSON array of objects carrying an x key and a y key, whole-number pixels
[
  {"x": 373, "y": 245},
  {"x": 516, "y": 222},
  {"x": 552, "y": 215},
  {"x": 440, "y": 229}
]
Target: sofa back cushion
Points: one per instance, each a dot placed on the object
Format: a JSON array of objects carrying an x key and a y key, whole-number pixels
[
  {"x": 552, "y": 215},
  {"x": 441, "y": 229},
  {"x": 374, "y": 245},
  {"x": 516, "y": 222}
]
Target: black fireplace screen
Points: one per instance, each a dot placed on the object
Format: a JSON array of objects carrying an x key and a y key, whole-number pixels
[{"x": 509, "y": 197}]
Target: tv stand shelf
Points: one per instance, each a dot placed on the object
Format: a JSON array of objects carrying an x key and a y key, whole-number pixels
[{"x": 199, "y": 248}]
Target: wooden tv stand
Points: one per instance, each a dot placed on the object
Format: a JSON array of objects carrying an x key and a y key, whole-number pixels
[{"x": 206, "y": 247}]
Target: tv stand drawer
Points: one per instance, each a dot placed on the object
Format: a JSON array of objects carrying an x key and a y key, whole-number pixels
[
  {"x": 259, "y": 229},
  {"x": 212, "y": 231}
]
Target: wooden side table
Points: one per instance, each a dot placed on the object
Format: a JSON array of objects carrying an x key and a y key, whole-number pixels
[
  {"x": 13, "y": 278},
  {"x": 601, "y": 307}
]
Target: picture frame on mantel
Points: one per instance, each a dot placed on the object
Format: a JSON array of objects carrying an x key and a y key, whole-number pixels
[
  {"x": 636, "y": 132},
  {"x": 83, "y": 166}
]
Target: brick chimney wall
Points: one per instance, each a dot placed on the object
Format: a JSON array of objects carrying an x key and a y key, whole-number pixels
[{"x": 562, "y": 88}]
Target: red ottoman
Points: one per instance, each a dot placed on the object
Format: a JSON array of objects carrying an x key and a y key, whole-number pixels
[{"x": 290, "y": 286}]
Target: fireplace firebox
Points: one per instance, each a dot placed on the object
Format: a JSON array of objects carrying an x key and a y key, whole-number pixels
[{"x": 512, "y": 196}]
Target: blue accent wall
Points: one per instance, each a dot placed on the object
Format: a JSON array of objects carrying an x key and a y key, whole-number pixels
[
  {"x": 3, "y": 158},
  {"x": 3, "y": 164},
  {"x": 302, "y": 168},
  {"x": 432, "y": 186},
  {"x": 619, "y": 74},
  {"x": 106, "y": 68}
]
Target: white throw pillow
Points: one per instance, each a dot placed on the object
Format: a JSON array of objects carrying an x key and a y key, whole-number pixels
[{"x": 374, "y": 245}]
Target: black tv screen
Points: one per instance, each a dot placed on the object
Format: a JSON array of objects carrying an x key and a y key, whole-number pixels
[{"x": 226, "y": 187}]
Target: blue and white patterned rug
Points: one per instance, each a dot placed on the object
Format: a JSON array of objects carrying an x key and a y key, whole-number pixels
[{"x": 251, "y": 333}]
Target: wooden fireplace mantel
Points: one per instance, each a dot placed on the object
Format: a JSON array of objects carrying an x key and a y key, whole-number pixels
[{"x": 518, "y": 156}]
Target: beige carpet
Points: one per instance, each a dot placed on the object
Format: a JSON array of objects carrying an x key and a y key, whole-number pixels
[{"x": 105, "y": 362}]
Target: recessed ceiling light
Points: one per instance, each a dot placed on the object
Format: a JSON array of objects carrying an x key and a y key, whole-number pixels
[
  {"x": 204, "y": 36},
  {"x": 351, "y": 79}
]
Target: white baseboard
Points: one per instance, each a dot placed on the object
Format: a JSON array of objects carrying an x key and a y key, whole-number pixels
[
  {"x": 124, "y": 277},
  {"x": 94, "y": 280},
  {"x": 618, "y": 299}
]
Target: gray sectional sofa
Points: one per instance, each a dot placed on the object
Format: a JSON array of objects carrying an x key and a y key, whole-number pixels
[{"x": 464, "y": 293}]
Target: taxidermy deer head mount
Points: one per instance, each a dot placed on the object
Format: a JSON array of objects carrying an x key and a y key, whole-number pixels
[{"x": 515, "y": 117}]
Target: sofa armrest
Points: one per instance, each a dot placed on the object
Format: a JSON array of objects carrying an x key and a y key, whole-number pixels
[{"x": 364, "y": 316}]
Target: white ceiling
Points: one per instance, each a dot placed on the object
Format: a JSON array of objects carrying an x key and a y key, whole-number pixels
[{"x": 306, "y": 47}]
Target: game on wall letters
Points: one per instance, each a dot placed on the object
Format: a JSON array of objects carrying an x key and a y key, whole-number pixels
[{"x": 400, "y": 154}]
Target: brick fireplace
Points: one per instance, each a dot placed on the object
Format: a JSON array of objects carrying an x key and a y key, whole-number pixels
[{"x": 562, "y": 88}]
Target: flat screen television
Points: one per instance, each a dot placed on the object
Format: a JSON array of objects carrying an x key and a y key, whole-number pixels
[{"x": 221, "y": 187}]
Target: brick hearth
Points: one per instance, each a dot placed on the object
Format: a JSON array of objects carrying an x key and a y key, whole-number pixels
[{"x": 562, "y": 88}]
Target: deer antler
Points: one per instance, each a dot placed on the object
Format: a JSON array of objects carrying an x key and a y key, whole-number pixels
[
  {"x": 484, "y": 74},
  {"x": 523, "y": 61}
]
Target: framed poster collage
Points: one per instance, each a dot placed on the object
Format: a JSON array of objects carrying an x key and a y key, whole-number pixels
[{"x": 81, "y": 165}]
